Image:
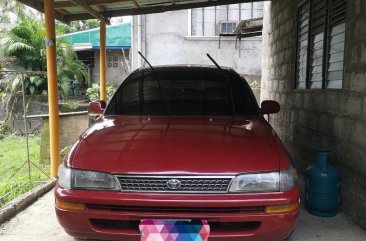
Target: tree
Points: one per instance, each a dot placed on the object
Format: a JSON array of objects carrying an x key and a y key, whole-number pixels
[
  {"x": 11, "y": 11},
  {"x": 22, "y": 38},
  {"x": 80, "y": 25},
  {"x": 25, "y": 41},
  {"x": 69, "y": 67}
]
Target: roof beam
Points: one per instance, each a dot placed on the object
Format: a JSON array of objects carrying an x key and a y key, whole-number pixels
[
  {"x": 60, "y": 5},
  {"x": 101, "y": 8},
  {"x": 135, "y": 3},
  {"x": 68, "y": 4},
  {"x": 37, "y": 5},
  {"x": 83, "y": 4},
  {"x": 63, "y": 11},
  {"x": 157, "y": 9}
]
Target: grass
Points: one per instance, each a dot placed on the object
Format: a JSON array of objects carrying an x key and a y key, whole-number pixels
[{"x": 15, "y": 181}]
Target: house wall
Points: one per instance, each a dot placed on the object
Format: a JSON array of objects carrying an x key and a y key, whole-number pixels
[
  {"x": 115, "y": 75},
  {"x": 313, "y": 119},
  {"x": 165, "y": 40}
]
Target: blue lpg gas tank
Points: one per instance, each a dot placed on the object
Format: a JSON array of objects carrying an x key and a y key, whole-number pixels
[{"x": 322, "y": 186}]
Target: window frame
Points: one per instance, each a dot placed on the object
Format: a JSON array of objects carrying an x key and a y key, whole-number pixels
[
  {"x": 217, "y": 23},
  {"x": 326, "y": 47}
]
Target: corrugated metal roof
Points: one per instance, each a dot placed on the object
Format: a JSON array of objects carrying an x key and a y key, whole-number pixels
[
  {"x": 118, "y": 36},
  {"x": 69, "y": 10}
]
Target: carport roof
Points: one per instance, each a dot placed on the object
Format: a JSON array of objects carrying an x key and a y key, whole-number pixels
[{"x": 70, "y": 10}]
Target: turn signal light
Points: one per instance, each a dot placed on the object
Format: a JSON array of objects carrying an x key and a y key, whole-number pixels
[
  {"x": 282, "y": 208},
  {"x": 71, "y": 206}
]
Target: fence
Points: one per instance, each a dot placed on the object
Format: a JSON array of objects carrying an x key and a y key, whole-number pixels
[{"x": 24, "y": 153}]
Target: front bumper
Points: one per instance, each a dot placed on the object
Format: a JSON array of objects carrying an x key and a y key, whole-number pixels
[{"x": 116, "y": 215}]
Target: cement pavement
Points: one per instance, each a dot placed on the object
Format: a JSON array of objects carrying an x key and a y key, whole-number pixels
[{"x": 38, "y": 223}]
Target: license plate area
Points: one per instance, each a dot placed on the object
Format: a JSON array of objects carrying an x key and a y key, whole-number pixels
[{"x": 174, "y": 230}]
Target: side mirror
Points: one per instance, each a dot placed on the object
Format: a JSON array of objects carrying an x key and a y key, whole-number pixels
[
  {"x": 270, "y": 107},
  {"x": 97, "y": 107}
]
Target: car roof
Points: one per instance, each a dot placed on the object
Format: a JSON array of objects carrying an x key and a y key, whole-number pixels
[{"x": 182, "y": 67}]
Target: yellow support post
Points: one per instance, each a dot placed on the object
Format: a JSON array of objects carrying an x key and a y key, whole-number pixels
[
  {"x": 103, "y": 62},
  {"x": 52, "y": 86}
]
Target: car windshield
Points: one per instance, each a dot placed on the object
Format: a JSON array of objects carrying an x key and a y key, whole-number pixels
[{"x": 201, "y": 92}]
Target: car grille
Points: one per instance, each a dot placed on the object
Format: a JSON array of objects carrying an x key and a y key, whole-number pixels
[{"x": 188, "y": 184}]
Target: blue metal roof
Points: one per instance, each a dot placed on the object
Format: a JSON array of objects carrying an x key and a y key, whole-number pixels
[{"x": 118, "y": 37}]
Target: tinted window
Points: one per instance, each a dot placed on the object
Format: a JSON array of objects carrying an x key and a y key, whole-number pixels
[{"x": 183, "y": 92}]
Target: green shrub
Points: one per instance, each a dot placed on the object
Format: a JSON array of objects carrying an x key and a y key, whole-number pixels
[
  {"x": 64, "y": 151},
  {"x": 4, "y": 130},
  {"x": 255, "y": 85},
  {"x": 70, "y": 107},
  {"x": 93, "y": 92},
  {"x": 17, "y": 186}
]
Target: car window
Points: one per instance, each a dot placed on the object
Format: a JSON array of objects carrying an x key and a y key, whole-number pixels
[{"x": 183, "y": 92}]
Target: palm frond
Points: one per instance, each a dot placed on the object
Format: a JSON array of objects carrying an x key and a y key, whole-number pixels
[{"x": 18, "y": 46}]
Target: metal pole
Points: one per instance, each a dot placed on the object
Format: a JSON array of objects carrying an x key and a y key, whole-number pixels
[
  {"x": 52, "y": 86},
  {"x": 25, "y": 127},
  {"x": 103, "y": 62}
]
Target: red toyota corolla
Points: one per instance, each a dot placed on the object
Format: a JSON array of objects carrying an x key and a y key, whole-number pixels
[{"x": 179, "y": 142}]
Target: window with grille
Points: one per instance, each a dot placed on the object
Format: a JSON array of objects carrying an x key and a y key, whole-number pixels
[
  {"x": 211, "y": 21},
  {"x": 320, "y": 44}
]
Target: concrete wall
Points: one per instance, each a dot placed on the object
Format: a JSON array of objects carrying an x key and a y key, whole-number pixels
[
  {"x": 165, "y": 40},
  {"x": 71, "y": 127},
  {"x": 115, "y": 75},
  {"x": 37, "y": 105},
  {"x": 312, "y": 119}
]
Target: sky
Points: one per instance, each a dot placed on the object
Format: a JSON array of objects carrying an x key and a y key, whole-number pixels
[{"x": 126, "y": 19}]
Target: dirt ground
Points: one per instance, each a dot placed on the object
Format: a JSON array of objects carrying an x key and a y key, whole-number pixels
[{"x": 38, "y": 223}]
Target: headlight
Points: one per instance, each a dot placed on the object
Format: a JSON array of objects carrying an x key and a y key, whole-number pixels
[
  {"x": 288, "y": 179},
  {"x": 64, "y": 176},
  {"x": 264, "y": 182},
  {"x": 69, "y": 178}
]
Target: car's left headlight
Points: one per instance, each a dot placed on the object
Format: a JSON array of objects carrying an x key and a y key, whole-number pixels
[
  {"x": 81, "y": 179},
  {"x": 264, "y": 182}
]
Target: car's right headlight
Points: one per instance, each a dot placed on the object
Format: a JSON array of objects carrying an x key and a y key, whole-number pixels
[
  {"x": 69, "y": 178},
  {"x": 264, "y": 182}
]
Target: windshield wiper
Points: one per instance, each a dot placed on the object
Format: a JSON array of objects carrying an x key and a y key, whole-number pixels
[
  {"x": 158, "y": 80},
  {"x": 228, "y": 81}
]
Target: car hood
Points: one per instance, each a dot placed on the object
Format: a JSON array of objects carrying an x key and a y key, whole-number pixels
[{"x": 178, "y": 145}]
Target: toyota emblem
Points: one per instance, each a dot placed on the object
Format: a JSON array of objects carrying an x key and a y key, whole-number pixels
[{"x": 173, "y": 184}]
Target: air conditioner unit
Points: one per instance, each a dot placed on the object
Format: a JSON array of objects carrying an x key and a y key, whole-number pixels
[{"x": 227, "y": 27}]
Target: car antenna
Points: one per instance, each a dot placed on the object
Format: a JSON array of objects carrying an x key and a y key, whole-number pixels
[
  {"x": 213, "y": 61},
  {"x": 228, "y": 80},
  {"x": 142, "y": 56}
]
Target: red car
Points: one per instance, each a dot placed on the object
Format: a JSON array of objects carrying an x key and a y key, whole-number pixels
[{"x": 179, "y": 142}]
